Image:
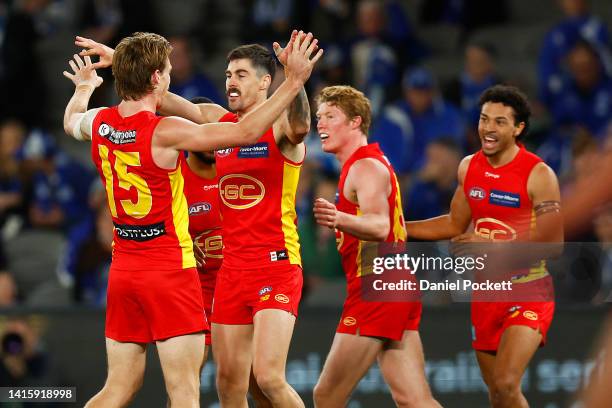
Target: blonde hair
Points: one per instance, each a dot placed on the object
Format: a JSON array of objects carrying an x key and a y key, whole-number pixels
[
  {"x": 136, "y": 58},
  {"x": 351, "y": 101}
]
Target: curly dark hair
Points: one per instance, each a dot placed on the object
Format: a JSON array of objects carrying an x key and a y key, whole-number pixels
[{"x": 512, "y": 97}]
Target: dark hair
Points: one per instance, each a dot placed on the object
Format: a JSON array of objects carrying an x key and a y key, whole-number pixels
[
  {"x": 261, "y": 58},
  {"x": 512, "y": 97},
  {"x": 200, "y": 99}
]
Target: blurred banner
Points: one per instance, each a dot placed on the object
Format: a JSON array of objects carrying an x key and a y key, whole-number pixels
[{"x": 71, "y": 348}]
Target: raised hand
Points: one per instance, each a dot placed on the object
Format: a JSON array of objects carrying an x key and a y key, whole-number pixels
[
  {"x": 283, "y": 53},
  {"x": 95, "y": 48},
  {"x": 84, "y": 73},
  {"x": 299, "y": 64}
]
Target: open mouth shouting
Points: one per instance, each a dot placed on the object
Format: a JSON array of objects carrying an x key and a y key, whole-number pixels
[
  {"x": 233, "y": 93},
  {"x": 489, "y": 141}
]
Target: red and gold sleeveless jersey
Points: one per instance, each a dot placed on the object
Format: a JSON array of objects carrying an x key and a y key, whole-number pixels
[
  {"x": 205, "y": 220},
  {"x": 500, "y": 204},
  {"x": 146, "y": 202},
  {"x": 257, "y": 187},
  {"x": 349, "y": 246}
]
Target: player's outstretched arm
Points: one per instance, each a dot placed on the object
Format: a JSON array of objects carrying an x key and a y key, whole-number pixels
[
  {"x": 449, "y": 225},
  {"x": 372, "y": 198},
  {"x": 295, "y": 121},
  {"x": 181, "y": 134},
  {"x": 172, "y": 104},
  {"x": 77, "y": 123},
  {"x": 176, "y": 105}
]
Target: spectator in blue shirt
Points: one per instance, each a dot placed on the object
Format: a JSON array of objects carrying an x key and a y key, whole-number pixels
[
  {"x": 578, "y": 24},
  {"x": 464, "y": 91},
  {"x": 585, "y": 96},
  {"x": 478, "y": 74},
  {"x": 186, "y": 80},
  {"x": 406, "y": 127},
  {"x": 60, "y": 185},
  {"x": 373, "y": 58},
  {"x": 430, "y": 193}
]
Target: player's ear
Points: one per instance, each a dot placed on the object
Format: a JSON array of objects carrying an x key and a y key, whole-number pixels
[
  {"x": 519, "y": 128},
  {"x": 266, "y": 81},
  {"x": 356, "y": 122},
  {"x": 156, "y": 77}
]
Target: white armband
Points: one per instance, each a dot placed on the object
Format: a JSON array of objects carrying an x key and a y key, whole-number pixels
[
  {"x": 76, "y": 130},
  {"x": 88, "y": 117}
]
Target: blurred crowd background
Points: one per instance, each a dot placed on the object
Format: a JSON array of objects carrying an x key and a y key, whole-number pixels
[{"x": 423, "y": 64}]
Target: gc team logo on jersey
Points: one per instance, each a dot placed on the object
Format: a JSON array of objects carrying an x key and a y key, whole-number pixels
[
  {"x": 240, "y": 191},
  {"x": 199, "y": 208},
  {"x": 495, "y": 230},
  {"x": 349, "y": 321},
  {"x": 224, "y": 152},
  {"x": 477, "y": 193},
  {"x": 530, "y": 315},
  {"x": 211, "y": 245}
]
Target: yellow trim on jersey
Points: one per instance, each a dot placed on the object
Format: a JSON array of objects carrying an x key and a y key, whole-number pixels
[
  {"x": 399, "y": 227},
  {"x": 535, "y": 272},
  {"x": 359, "y": 248},
  {"x": 180, "y": 217},
  {"x": 291, "y": 177}
]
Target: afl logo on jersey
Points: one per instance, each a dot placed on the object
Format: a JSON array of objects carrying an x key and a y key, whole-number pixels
[
  {"x": 224, "y": 152},
  {"x": 240, "y": 191},
  {"x": 477, "y": 193},
  {"x": 493, "y": 229},
  {"x": 199, "y": 208}
]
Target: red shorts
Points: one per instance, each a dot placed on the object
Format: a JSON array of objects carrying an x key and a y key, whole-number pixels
[
  {"x": 241, "y": 293},
  {"x": 491, "y": 319},
  {"x": 380, "y": 319},
  {"x": 150, "y": 305},
  {"x": 207, "y": 283}
]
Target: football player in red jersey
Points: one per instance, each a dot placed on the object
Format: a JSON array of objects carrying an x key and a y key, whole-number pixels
[
  {"x": 154, "y": 292},
  {"x": 366, "y": 211},
  {"x": 260, "y": 282},
  {"x": 508, "y": 194},
  {"x": 202, "y": 193}
]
